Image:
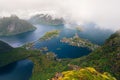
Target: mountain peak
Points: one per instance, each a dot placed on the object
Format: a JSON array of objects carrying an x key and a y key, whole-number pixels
[
  {"x": 46, "y": 19},
  {"x": 114, "y": 38},
  {"x": 13, "y": 25}
]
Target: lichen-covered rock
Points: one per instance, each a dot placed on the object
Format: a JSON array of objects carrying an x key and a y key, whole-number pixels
[{"x": 87, "y": 73}]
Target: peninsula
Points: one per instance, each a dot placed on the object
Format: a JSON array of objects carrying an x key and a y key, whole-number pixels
[
  {"x": 49, "y": 35},
  {"x": 79, "y": 42}
]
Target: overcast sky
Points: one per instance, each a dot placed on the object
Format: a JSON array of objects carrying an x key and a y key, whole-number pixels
[{"x": 105, "y": 13}]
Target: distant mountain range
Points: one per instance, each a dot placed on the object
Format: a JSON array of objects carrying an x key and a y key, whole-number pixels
[
  {"x": 87, "y": 73},
  {"x": 46, "y": 19},
  {"x": 13, "y": 25}
]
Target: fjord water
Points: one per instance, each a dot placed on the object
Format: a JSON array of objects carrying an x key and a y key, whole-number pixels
[
  {"x": 62, "y": 50},
  {"x": 19, "y": 40},
  {"x": 20, "y": 70},
  {"x": 91, "y": 33}
]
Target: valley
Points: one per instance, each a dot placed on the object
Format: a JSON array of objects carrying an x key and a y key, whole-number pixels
[
  {"x": 100, "y": 59},
  {"x": 50, "y": 51},
  {"x": 59, "y": 40}
]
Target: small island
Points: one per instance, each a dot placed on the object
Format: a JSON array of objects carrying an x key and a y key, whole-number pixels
[
  {"x": 49, "y": 35},
  {"x": 79, "y": 42}
]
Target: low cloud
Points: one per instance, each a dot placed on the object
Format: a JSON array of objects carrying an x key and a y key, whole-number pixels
[{"x": 104, "y": 13}]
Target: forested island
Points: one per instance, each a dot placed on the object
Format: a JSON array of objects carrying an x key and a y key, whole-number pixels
[
  {"x": 79, "y": 42},
  {"x": 49, "y": 35}
]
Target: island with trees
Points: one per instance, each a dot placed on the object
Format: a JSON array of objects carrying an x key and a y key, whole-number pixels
[
  {"x": 79, "y": 42},
  {"x": 49, "y": 35}
]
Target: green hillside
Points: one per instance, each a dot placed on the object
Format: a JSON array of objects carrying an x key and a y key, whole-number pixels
[
  {"x": 13, "y": 25},
  {"x": 105, "y": 58},
  {"x": 9, "y": 55},
  {"x": 4, "y": 47}
]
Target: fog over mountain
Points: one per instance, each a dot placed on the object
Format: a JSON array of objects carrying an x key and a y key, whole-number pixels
[{"x": 104, "y": 13}]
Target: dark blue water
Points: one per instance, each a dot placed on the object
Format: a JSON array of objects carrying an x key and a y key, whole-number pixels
[
  {"x": 67, "y": 51},
  {"x": 91, "y": 33},
  {"x": 20, "y": 70},
  {"x": 19, "y": 40},
  {"x": 62, "y": 50}
]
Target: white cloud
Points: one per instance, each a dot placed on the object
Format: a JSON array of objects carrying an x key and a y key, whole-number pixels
[{"x": 105, "y": 13}]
